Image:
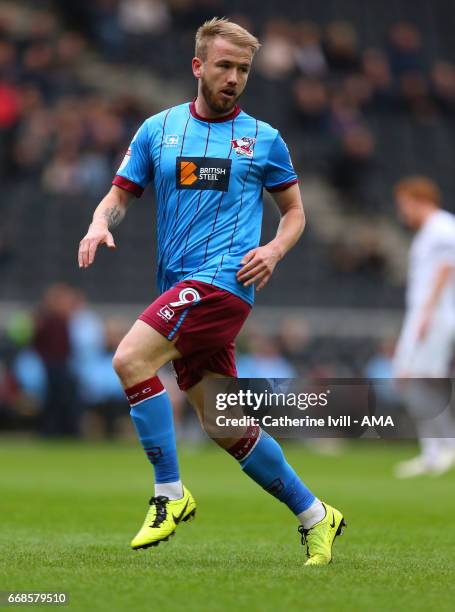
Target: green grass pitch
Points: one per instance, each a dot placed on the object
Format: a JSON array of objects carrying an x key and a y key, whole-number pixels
[{"x": 68, "y": 512}]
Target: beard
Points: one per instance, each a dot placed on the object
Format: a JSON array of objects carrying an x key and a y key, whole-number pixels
[{"x": 215, "y": 103}]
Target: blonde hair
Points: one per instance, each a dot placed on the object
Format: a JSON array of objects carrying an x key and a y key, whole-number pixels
[
  {"x": 226, "y": 29},
  {"x": 420, "y": 188}
]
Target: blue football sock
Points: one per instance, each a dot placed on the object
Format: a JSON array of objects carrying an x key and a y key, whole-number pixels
[
  {"x": 151, "y": 412},
  {"x": 262, "y": 458}
]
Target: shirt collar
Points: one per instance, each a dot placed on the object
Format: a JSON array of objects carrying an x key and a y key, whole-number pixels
[{"x": 232, "y": 115}]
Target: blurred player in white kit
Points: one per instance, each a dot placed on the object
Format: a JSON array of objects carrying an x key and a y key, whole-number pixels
[{"x": 425, "y": 345}]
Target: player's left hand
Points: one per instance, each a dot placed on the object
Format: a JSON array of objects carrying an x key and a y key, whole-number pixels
[{"x": 258, "y": 266}]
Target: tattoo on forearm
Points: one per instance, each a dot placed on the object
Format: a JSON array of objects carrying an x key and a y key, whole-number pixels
[{"x": 113, "y": 216}]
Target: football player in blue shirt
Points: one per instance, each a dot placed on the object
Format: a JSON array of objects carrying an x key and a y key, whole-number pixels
[{"x": 209, "y": 162}]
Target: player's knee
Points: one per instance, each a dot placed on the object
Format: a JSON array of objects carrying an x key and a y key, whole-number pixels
[
  {"x": 129, "y": 364},
  {"x": 120, "y": 362}
]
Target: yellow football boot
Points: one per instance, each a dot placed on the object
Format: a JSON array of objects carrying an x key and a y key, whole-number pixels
[
  {"x": 319, "y": 538},
  {"x": 162, "y": 519}
]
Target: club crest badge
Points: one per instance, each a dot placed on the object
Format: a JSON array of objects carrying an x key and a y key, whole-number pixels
[{"x": 244, "y": 146}]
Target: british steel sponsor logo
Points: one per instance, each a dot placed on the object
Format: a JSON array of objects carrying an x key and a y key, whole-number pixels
[
  {"x": 203, "y": 173},
  {"x": 244, "y": 146}
]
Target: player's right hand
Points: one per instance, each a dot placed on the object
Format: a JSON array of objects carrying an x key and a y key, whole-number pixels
[{"x": 96, "y": 235}]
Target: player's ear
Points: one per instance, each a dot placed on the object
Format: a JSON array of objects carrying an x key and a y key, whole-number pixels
[{"x": 196, "y": 64}]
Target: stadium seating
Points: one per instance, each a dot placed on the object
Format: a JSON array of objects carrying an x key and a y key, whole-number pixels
[{"x": 44, "y": 220}]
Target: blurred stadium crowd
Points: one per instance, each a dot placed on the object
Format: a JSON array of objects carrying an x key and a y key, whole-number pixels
[
  {"x": 56, "y": 375},
  {"x": 338, "y": 94},
  {"x": 362, "y": 95}
]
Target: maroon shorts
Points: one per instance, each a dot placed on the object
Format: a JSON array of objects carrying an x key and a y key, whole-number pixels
[{"x": 204, "y": 320}]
